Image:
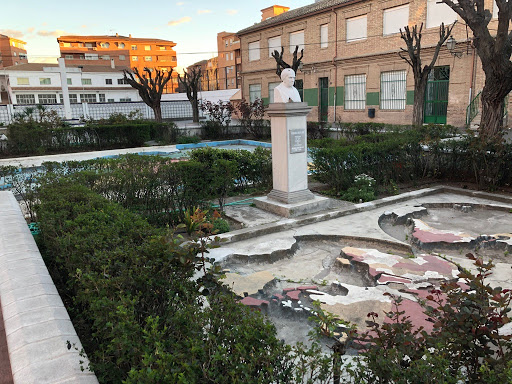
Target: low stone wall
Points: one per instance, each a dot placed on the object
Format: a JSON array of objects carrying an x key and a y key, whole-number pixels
[{"x": 37, "y": 325}]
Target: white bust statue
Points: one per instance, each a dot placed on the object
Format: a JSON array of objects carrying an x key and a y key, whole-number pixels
[{"x": 286, "y": 92}]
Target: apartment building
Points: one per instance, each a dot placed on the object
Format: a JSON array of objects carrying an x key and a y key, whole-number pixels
[
  {"x": 125, "y": 51},
  {"x": 229, "y": 60},
  {"x": 211, "y": 77},
  {"x": 351, "y": 70},
  {"x": 38, "y": 83},
  {"x": 12, "y": 51}
]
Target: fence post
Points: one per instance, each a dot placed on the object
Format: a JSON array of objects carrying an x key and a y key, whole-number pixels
[
  {"x": 10, "y": 113},
  {"x": 85, "y": 110}
]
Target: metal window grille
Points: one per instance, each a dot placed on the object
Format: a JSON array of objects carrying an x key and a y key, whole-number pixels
[
  {"x": 26, "y": 99},
  {"x": 47, "y": 98},
  {"x": 392, "y": 89},
  {"x": 355, "y": 92},
  {"x": 254, "y": 92}
]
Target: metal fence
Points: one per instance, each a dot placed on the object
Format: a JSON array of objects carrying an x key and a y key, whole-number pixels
[{"x": 170, "y": 110}]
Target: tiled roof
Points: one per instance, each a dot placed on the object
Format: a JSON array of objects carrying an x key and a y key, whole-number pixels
[
  {"x": 86, "y": 68},
  {"x": 294, "y": 14},
  {"x": 107, "y": 37}
]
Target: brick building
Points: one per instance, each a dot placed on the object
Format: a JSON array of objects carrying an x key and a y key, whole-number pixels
[
  {"x": 12, "y": 51},
  {"x": 229, "y": 60},
  {"x": 351, "y": 69},
  {"x": 125, "y": 51}
]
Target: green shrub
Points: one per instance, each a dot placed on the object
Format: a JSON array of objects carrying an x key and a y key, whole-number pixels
[{"x": 188, "y": 140}]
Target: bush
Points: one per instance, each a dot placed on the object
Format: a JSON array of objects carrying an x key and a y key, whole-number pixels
[
  {"x": 188, "y": 140},
  {"x": 318, "y": 130},
  {"x": 251, "y": 116}
]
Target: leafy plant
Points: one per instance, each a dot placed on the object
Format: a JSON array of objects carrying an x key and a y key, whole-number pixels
[{"x": 251, "y": 117}]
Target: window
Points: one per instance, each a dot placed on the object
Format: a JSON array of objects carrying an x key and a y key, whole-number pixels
[
  {"x": 105, "y": 57},
  {"x": 23, "y": 81},
  {"x": 91, "y": 56},
  {"x": 81, "y": 57},
  {"x": 296, "y": 38},
  {"x": 134, "y": 47},
  {"x": 14, "y": 53},
  {"x": 161, "y": 48},
  {"x": 67, "y": 45},
  {"x": 86, "y": 82},
  {"x": 81, "y": 45},
  {"x": 45, "y": 81},
  {"x": 392, "y": 90},
  {"x": 135, "y": 58},
  {"x": 23, "y": 56},
  {"x": 26, "y": 99},
  {"x": 299, "y": 84},
  {"x": 69, "y": 57},
  {"x": 148, "y": 58},
  {"x": 110, "y": 100},
  {"x": 271, "y": 87},
  {"x": 227, "y": 70},
  {"x": 102, "y": 97},
  {"x": 105, "y": 45},
  {"x": 324, "y": 35},
  {"x": 438, "y": 13},
  {"x": 355, "y": 92},
  {"x": 226, "y": 43},
  {"x": 88, "y": 97},
  {"x": 125, "y": 99},
  {"x": 122, "y": 81},
  {"x": 73, "y": 98},
  {"x": 356, "y": 28},
  {"x": 108, "y": 81},
  {"x": 273, "y": 44},
  {"x": 88, "y": 45},
  {"x": 47, "y": 99},
  {"x": 69, "y": 81},
  {"x": 231, "y": 55},
  {"x": 122, "y": 57},
  {"x": 254, "y": 51},
  {"x": 120, "y": 45},
  {"x": 394, "y": 19},
  {"x": 254, "y": 92},
  {"x": 147, "y": 47}
]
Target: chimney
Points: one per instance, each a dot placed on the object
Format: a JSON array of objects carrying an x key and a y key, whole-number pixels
[
  {"x": 130, "y": 36},
  {"x": 117, "y": 34},
  {"x": 112, "y": 64},
  {"x": 272, "y": 11}
]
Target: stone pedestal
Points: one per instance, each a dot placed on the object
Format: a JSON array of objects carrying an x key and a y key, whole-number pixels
[{"x": 290, "y": 195}]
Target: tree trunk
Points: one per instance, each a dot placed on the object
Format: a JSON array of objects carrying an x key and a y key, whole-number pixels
[
  {"x": 195, "y": 111},
  {"x": 491, "y": 126},
  {"x": 157, "y": 110},
  {"x": 419, "y": 101}
]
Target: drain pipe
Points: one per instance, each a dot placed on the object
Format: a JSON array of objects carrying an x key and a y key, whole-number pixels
[
  {"x": 334, "y": 61},
  {"x": 472, "y": 79}
]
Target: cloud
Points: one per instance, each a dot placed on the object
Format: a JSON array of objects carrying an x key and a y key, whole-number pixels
[
  {"x": 180, "y": 3},
  {"x": 31, "y": 29},
  {"x": 232, "y": 12},
  {"x": 83, "y": 26},
  {"x": 202, "y": 11},
  {"x": 184, "y": 19},
  {"x": 56, "y": 33},
  {"x": 12, "y": 33}
]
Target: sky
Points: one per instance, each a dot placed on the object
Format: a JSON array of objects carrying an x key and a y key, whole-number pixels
[{"x": 192, "y": 25}]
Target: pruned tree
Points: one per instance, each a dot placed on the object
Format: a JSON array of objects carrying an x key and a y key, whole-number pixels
[
  {"x": 150, "y": 84},
  {"x": 190, "y": 81},
  {"x": 281, "y": 64},
  {"x": 494, "y": 52},
  {"x": 412, "y": 55}
]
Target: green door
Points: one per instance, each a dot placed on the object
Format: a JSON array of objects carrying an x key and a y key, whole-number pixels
[
  {"x": 436, "y": 95},
  {"x": 323, "y": 85}
]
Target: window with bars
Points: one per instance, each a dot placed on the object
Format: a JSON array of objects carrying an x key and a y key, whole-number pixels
[
  {"x": 26, "y": 99},
  {"x": 393, "y": 89},
  {"x": 271, "y": 87},
  {"x": 47, "y": 98},
  {"x": 254, "y": 92},
  {"x": 88, "y": 97},
  {"x": 355, "y": 92}
]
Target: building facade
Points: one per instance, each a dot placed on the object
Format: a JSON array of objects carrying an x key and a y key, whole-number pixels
[
  {"x": 12, "y": 51},
  {"x": 351, "y": 70},
  {"x": 229, "y": 60},
  {"x": 38, "y": 83},
  {"x": 125, "y": 51}
]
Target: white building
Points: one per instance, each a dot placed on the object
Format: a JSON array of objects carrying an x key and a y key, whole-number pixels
[{"x": 40, "y": 83}]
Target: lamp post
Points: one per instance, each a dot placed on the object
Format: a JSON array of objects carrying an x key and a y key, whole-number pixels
[{"x": 451, "y": 44}]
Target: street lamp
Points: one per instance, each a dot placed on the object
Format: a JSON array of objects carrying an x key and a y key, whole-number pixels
[{"x": 451, "y": 44}]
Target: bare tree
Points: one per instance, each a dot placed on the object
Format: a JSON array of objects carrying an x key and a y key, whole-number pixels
[
  {"x": 150, "y": 84},
  {"x": 281, "y": 64},
  {"x": 494, "y": 53},
  {"x": 190, "y": 81},
  {"x": 412, "y": 55}
]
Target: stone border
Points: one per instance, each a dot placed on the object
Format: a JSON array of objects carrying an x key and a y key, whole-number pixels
[
  {"x": 37, "y": 325},
  {"x": 289, "y": 223}
]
